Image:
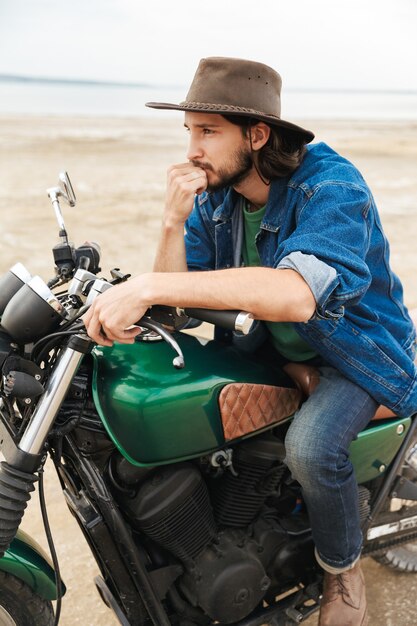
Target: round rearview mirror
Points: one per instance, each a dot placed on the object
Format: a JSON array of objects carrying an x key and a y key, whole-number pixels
[{"x": 68, "y": 191}]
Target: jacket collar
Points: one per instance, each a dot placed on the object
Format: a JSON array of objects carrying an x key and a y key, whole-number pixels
[
  {"x": 225, "y": 205},
  {"x": 227, "y": 201}
]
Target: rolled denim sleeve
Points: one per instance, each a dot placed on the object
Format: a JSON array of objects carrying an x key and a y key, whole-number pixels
[
  {"x": 329, "y": 244},
  {"x": 319, "y": 276},
  {"x": 199, "y": 239}
]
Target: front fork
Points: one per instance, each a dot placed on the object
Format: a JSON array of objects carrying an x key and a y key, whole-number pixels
[
  {"x": 41, "y": 422},
  {"x": 23, "y": 459}
]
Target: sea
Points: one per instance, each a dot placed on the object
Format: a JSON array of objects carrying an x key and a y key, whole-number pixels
[{"x": 62, "y": 97}]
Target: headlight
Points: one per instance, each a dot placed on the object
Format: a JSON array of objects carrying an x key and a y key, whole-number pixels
[
  {"x": 33, "y": 312},
  {"x": 11, "y": 282}
]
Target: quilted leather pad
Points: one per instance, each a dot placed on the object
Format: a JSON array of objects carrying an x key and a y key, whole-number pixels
[{"x": 246, "y": 407}]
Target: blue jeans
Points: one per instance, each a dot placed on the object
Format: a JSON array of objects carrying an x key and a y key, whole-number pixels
[{"x": 317, "y": 454}]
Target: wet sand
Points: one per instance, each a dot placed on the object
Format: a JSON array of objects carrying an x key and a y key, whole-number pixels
[{"x": 117, "y": 167}]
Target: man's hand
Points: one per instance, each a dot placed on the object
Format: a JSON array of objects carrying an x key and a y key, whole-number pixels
[
  {"x": 184, "y": 181},
  {"x": 112, "y": 313}
]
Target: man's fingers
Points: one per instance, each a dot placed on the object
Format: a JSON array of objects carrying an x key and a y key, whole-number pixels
[
  {"x": 195, "y": 182},
  {"x": 185, "y": 169},
  {"x": 195, "y": 174},
  {"x": 96, "y": 332},
  {"x": 121, "y": 335},
  {"x": 105, "y": 335},
  {"x": 87, "y": 317},
  {"x": 180, "y": 166}
]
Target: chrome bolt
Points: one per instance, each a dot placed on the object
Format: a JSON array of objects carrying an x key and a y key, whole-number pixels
[
  {"x": 400, "y": 429},
  {"x": 28, "y": 400},
  {"x": 382, "y": 468}
]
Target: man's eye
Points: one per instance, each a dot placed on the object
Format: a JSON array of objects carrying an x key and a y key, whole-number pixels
[{"x": 208, "y": 131}]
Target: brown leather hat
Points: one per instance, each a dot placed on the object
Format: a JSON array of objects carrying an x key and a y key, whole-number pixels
[{"x": 235, "y": 86}]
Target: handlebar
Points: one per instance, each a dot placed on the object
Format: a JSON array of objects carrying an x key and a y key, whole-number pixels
[
  {"x": 175, "y": 318},
  {"x": 231, "y": 320}
]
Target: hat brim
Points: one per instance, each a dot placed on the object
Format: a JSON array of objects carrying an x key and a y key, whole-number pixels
[{"x": 200, "y": 107}]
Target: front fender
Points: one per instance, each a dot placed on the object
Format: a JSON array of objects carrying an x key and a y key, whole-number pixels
[{"x": 26, "y": 560}]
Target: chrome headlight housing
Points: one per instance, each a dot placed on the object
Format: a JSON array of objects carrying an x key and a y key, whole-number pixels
[
  {"x": 11, "y": 282},
  {"x": 33, "y": 312}
]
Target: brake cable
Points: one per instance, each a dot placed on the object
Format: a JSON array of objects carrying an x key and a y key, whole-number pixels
[{"x": 51, "y": 546}]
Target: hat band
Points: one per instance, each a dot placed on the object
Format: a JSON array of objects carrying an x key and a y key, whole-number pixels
[{"x": 224, "y": 107}]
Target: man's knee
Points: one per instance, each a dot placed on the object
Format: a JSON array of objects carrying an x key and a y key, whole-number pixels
[
  {"x": 297, "y": 454},
  {"x": 308, "y": 456}
]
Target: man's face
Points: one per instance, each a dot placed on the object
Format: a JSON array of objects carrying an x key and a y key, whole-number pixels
[{"x": 219, "y": 148}]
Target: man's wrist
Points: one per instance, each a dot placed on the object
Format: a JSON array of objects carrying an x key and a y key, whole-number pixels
[
  {"x": 145, "y": 288},
  {"x": 172, "y": 224}
]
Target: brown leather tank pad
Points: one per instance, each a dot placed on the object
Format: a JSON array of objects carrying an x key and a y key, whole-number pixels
[{"x": 246, "y": 407}]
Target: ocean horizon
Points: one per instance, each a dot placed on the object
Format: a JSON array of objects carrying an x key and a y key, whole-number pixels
[{"x": 62, "y": 97}]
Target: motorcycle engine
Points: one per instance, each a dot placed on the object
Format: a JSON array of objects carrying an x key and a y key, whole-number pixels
[{"x": 207, "y": 524}]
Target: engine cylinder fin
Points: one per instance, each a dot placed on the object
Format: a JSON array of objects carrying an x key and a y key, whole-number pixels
[
  {"x": 173, "y": 508},
  {"x": 237, "y": 500}
]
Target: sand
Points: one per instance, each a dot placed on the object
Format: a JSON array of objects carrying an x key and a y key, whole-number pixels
[{"x": 117, "y": 167}]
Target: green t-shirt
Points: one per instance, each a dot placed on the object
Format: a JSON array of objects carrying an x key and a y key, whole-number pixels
[{"x": 285, "y": 338}]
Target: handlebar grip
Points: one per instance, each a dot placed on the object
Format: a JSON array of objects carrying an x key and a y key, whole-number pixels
[{"x": 232, "y": 320}]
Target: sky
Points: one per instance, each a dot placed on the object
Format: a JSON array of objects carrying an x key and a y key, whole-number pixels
[{"x": 314, "y": 44}]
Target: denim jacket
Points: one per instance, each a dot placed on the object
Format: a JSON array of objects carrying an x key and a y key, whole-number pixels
[{"x": 322, "y": 222}]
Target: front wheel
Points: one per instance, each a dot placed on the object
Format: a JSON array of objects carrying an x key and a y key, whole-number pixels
[{"x": 20, "y": 606}]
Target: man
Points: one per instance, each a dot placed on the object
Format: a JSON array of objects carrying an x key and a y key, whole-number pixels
[{"x": 289, "y": 232}]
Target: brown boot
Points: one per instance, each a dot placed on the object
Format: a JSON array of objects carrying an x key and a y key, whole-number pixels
[{"x": 344, "y": 600}]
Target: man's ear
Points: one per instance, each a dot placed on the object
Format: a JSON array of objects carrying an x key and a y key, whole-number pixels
[{"x": 260, "y": 133}]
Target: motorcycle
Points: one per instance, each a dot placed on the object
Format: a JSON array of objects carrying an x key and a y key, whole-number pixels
[{"x": 174, "y": 469}]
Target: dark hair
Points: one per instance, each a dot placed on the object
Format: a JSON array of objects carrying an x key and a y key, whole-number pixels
[{"x": 282, "y": 153}]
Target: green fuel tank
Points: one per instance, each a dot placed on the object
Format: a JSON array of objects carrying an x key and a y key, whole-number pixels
[{"x": 156, "y": 414}]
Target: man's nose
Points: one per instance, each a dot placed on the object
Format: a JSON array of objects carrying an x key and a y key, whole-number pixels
[{"x": 194, "y": 151}]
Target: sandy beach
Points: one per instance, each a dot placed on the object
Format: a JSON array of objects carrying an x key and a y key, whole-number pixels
[{"x": 117, "y": 167}]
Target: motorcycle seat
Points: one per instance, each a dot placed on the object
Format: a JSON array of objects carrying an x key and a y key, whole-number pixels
[{"x": 247, "y": 407}]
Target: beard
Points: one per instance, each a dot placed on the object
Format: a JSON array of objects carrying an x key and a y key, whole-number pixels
[{"x": 230, "y": 174}]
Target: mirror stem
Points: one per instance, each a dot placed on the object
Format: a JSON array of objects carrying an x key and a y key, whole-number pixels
[{"x": 53, "y": 194}]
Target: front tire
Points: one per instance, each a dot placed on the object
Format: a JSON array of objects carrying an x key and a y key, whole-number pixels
[{"x": 20, "y": 606}]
